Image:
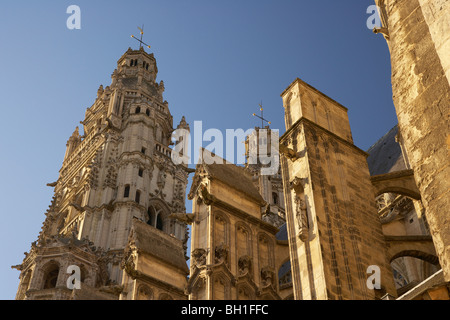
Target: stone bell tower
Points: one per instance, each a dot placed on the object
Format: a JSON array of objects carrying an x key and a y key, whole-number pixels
[
  {"x": 119, "y": 170},
  {"x": 270, "y": 186},
  {"x": 335, "y": 236}
]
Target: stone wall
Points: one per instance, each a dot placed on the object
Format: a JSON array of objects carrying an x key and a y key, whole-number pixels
[
  {"x": 419, "y": 45},
  {"x": 333, "y": 225},
  {"x": 234, "y": 253}
]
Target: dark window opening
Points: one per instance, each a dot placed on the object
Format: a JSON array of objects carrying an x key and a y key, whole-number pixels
[
  {"x": 147, "y": 112},
  {"x": 126, "y": 193},
  {"x": 143, "y": 150},
  {"x": 138, "y": 196},
  {"x": 150, "y": 217},
  {"x": 138, "y": 110},
  {"x": 141, "y": 172},
  {"x": 51, "y": 278},
  {"x": 275, "y": 198},
  {"x": 159, "y": 223}
]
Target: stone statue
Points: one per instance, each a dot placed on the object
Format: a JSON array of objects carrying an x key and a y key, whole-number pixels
[{"x": 302, "y": 218}]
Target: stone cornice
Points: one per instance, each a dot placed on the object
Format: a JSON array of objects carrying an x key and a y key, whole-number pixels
[
  {"x": 304, "y": 120},
  {"x": 136, "y": 274},
  {"x": 298, "y": 80}
]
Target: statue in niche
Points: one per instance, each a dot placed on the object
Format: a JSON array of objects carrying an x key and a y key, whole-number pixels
[
  {"x": 301, "y": 214},
  {"x": 161, "y": 179}
]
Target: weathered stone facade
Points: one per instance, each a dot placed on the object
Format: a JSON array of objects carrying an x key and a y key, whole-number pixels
[
  {"x": 312, "y": 230},
  {"x": 410, "y": 248},
  {"x": 334, "y": 230},
  {"x": 234, "y": 253},
  {"x": 418, "y": 36}
]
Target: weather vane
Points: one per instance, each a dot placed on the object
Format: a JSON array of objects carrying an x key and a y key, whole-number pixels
[
  {"x": 262, "y": 116},
  {"x": 140, "y": 40}
]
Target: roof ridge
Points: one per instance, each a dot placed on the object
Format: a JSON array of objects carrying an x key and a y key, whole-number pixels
[{"x": 379, "y": 140}]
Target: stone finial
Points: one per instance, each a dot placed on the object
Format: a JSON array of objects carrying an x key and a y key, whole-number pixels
[
  {"x": 76, "y": 133},
  {"x": 183, "y": 124}
]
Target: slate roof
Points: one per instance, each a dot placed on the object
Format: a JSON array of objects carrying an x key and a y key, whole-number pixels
[
  {"x": 385, "y": 155},
  {"x": 282, "y": 233},
  {"x": 235, "y": 177},
  {"x": 285, "y": 268}
]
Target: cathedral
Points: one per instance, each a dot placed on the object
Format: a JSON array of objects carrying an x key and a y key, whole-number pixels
[{"x": 332, "y": 222}]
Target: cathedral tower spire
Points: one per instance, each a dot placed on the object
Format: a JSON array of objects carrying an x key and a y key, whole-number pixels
[{"x": 116, "y": 177}]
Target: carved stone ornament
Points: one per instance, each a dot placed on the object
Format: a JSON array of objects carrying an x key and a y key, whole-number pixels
[
  {"x": 267, "y": 276},
  {"x": 128, "y": 263},
  {"x": 221, "y": 253},
  {"x": 199, "y": 257},
  {"x": 187, "y": 218},
  {"x": 297, "y": 184},
  {"x": 301, "y": 214},
  {"x": 245, "y": 265},
  {"x": 161, "y": 179},
  {"x": 195, "y": 181},
  {"x": 288, "y": 152},
  {"x": 207, "y": 198}
]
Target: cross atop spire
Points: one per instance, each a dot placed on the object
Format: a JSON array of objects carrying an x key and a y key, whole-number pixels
[
  {"x": 262, "y": 116},
  {"x": 140, "y": 40}
]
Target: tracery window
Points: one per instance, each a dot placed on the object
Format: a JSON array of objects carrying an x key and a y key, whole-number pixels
[{"x": 157, "y": 215}]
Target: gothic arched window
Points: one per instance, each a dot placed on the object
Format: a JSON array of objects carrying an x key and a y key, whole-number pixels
[
  {"x": 157, "y": 215},
  {"x": 51, "y": 276}
]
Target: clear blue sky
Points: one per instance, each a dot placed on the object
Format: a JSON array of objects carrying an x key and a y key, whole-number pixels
[{"x": 218, "y": 60}]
